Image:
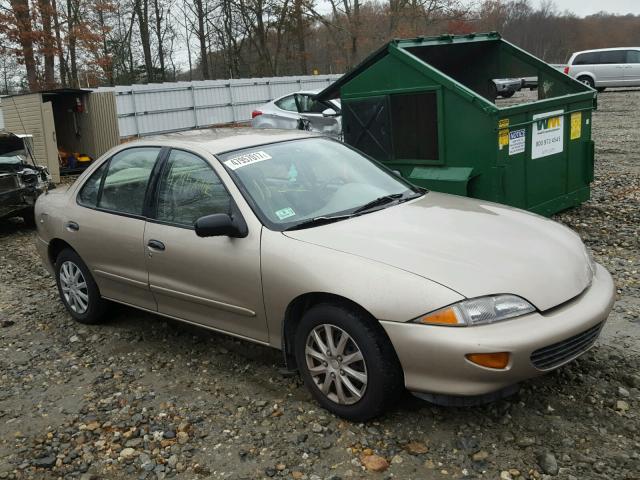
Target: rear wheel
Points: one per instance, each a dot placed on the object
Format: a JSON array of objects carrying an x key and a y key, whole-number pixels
[
  {"x": 78, "y": 291},
  {"x": 588, "y": 81},
  {"x": 508, "y": 94},
  {"x": 347, "y": 362},
  {"x": 601, "y": 89}
]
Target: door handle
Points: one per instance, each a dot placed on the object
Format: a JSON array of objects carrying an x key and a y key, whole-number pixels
[
  {"x": 72, "y": 226},
  {"x": 155, "y": 245}
]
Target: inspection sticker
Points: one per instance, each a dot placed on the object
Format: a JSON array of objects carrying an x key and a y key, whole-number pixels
[
  {"x": 285, "y": 213},
  {"x": 503, "y": 133},
  {"x": 517, "y": 140},
  {"x": 576, "y": 125},
  {"x": 247, "y": 159}
]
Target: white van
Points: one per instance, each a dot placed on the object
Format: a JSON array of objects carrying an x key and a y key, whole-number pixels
[{"x": 606, "y": 67}]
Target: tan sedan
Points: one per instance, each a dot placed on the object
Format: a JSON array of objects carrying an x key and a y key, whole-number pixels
[{"x": 368, "y": 284}]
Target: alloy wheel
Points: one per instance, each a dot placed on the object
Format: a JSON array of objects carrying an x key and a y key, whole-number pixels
[
  {"x": 74, "y": 287},
  {"x": 336, "y": 364}
]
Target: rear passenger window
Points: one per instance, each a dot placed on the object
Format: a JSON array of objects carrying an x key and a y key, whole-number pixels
[
  {"x": 88, "y": 195},
  {"x": 590, "y": 58},
  {"x": 126, "y": 182},
  {"x": 633, "y": 56},
  {"x": 189, "y": 189},
  {"x": 613, "y": 56},
  {"x": 287, "y": 103}
]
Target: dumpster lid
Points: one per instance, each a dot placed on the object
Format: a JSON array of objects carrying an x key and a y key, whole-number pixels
[{"x": 333, "y": 90}]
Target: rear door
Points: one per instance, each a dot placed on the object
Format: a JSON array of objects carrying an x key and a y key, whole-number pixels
[
  {"x": 106, "y": 225},
  {"x": 284, "y": 114},
  {"x": 610, "y": 71},
  {"x": 632, "y": 70},
  {"x": 212, "y": 281}
]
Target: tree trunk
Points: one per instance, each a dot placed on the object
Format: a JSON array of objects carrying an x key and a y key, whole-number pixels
[
  {"x": 25, "y": 37},
  {"x": 72, "y": 41},
  {"x": 62, "y": 63},
  {"x": 355, "y": 32},
  {"x": 142, "y": 10},
  {"x": 159, "y": 14},
  {"x": 48, "y": 43},
  {"x": 107, "y": 60},
  {"x": 202, "y": 39},
  {"x": 300, "y": 34}
]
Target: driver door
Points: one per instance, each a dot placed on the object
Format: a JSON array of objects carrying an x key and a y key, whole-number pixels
[{"x": 214, "y": 281}]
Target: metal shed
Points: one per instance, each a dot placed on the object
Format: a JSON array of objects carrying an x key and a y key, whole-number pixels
[
  {"x": 70, "y": 119},
  {"x": 426, "y": 108}
]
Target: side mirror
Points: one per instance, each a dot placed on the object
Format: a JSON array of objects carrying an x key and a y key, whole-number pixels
[
  {"x": 221, "y": 225},
  {"x": 329, "y": 112}
]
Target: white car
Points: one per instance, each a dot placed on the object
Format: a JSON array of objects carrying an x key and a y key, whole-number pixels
[
  {"x": 606, "y": 67},
  {"x": 300, "y": 111}
]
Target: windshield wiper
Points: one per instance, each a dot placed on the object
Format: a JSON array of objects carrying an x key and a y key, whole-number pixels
[
  {"x": 377, "y": 202},
  {"x": 316, "y": 221}
]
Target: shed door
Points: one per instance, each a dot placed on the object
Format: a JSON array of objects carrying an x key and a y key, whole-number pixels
[
  {"x": 366, "y": 124},
  {"x": 50, "y": 142}
]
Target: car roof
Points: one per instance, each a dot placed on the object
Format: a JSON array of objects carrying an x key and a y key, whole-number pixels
[
  {"x": 220, "y": 140},
  {"x": 607, "y": 49}
]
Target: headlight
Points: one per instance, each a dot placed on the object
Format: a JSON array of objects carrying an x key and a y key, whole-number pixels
[{"x": 479, "y": 311}]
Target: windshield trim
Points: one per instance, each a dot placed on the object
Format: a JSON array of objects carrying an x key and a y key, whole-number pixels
[{"x": 281, "y": 227}]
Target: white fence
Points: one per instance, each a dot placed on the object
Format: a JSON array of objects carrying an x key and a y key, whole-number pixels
[{"x": 169, "y": 107}]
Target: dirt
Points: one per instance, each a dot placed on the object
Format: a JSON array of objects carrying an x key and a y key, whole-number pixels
[{"x": 143, "y": 397}]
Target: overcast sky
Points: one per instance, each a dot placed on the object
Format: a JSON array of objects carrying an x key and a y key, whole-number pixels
[{"x": 588, "y": 7}]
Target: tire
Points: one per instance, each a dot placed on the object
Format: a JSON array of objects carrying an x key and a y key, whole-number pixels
[
  {"x": 83, "y": 302},
  {"x": 601, "y": 89},
  {"x": 379, "y": 365},
  {"x": 508, "y": 94},
  {"x": 587, "y": 81}
]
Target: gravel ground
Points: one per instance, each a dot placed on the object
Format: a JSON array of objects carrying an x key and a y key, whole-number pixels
[{"x": 143, "y": 397}]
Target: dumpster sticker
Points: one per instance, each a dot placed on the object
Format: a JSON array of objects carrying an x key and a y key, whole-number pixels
[
  {"x": 576, "y": 125},
  {"x": 247, "y": 159},
  {"x": 547, "y": 134},
  {"x": 285, "y": 213},
  {"x": 503, "y": 134},
  {"x": 517, "y": 140}
]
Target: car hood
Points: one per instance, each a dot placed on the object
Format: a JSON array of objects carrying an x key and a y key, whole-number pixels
[{"x": 473, "y": 247}]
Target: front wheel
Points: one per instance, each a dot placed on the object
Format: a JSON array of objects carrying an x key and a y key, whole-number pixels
[
  {"x": 347, "y": 362},
  {"x": 78, "y": 291}
]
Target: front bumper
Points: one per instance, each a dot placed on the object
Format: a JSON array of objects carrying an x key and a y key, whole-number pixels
[{"x": 433, "y": 357}]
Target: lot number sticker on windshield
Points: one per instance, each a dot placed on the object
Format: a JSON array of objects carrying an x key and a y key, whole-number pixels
[
  {"x": 247, "y": 159},
  {"x": 285, "y": 213},
  {"x": 547, "y": 134}
]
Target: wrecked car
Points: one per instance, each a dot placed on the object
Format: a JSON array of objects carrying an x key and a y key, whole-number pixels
[{"x": 21, "y": 180}]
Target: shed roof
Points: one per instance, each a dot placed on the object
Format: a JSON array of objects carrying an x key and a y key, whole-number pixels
[{"x": 56, "y": 91}]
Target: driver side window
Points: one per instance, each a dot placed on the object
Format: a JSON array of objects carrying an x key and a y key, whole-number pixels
[{"x": 189, "y": 189}]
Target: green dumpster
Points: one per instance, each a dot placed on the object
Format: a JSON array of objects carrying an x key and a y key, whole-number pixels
[{"x": 426, "y": 107}]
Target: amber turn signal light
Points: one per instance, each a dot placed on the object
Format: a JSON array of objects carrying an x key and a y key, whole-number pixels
[
  {"x": 498, "y": 360},
  {"x": 446, "y": 316}
]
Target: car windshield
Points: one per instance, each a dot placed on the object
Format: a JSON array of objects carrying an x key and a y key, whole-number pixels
[
  {"x": 292, "y": 183},
  {"x": 15, "y": 157}
]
